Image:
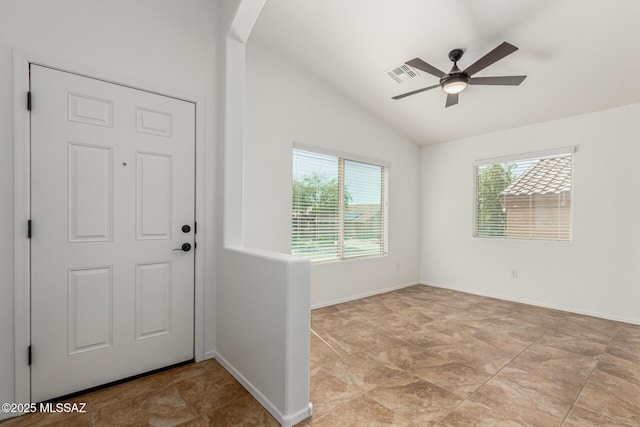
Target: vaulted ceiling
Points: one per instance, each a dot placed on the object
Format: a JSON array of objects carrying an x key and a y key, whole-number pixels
[{"x": 580, "y": 56}]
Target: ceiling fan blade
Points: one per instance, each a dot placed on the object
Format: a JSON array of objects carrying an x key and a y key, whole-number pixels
[
  {"x": 427, "y": 68},
  {"x": 501, "y": 80},
  {"x": 413, "y": 92},
  {"x": 452, "y": 99},
  {"x": 495, "y": 55}
]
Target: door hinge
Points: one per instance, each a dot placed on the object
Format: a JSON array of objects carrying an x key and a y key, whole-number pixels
[
  {"x": 28, "y": 229},
  {"x": 29, "y": 100},
  {"x": 29, "y": 355}
]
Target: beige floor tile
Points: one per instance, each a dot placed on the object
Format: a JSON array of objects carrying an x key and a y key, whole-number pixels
[
  {"x": 628, "y": 332},
  {"x": 587, "y": 327},
  {"x": 244, "y": 412},
  {"x": 455, "y": 377},
  {"x": 621, "y": 368},
  {"x": 374, "y": 310},
  {"x": 475, "y": 354},
  {"x": 421, "y": 402},
  {"x": 327, "y": 392},
  {"x": 624, "y": 349},
  {"x": 192, "y": 370},
  {"x": 339, "y": 320},
  {"x": 472, "y": 414},
  {"x": 360, "y": 412},
  {"x": 395, "y": 303},
  {"x": 555, "y": 364},
  {"x": 396, "y": 325},
  {"x": 366, "y": 372},
  {"x": 371, "y": 341},
  {"x": 210, "y": 391},
  {"x": 513, "y": 341},
  {"x": 554, "y": 386},
  {"x": 200, "y": 421},
  {"x": 415, "y": 315},
  {"x": 325, "y": 310},
  {"x": 580, "y": 417},
  {"x": 417, "y": 356},
  {"x": 428, "y": 337},
  {"x": 114, "y": 394},
  {"x": 581, "y": 346},
  {"x": 612, "y": 397},
  {"x": 81, "y": 420},
  {"x": 410, "y": 357},
  {"x": 41, "y": 419},
  {"x": 501, "y": 402},
  {"x": 321, "y": 352},
  {"x": 162, "y": 407}
]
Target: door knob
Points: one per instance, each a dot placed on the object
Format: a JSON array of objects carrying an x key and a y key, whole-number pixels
[
  {"x": 186, "y": 228},
  {"x": 186, "y": 247}
]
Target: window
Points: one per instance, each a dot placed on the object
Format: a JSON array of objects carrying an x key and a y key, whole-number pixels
[
  {"x": 527, "y": 196},
  {"x": 338, "y": 206}
]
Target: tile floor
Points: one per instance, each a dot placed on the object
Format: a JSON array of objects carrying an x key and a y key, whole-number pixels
[
  {"x": 199, "y": 394},
  {"x": 424, "y": 356},
  {"x": 419, "y": 356}
]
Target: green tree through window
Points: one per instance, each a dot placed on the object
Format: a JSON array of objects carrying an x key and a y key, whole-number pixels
[
  {"x": 338, "y": 207},
  {"x": 491, "y": 216},
  {"x": 316, "y": 210}
]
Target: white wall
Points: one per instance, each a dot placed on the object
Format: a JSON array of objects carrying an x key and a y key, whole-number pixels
[
  {"x": 286, "y": 104},
  {"x": 263, "y": 328},
  {"x": 158, "y": 43},
  {"x": 262, "y": 297},
  {"x": 597, "y": 273}
]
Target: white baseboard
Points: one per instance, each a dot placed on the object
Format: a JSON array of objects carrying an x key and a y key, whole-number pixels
[
  {"x": 294, "y": 419},
  {"x": 284, "y": 420},
  {"x": 534, "y": 303},
  {"x": 209, "y": 355},
  {"x": 364, "y": 295}
]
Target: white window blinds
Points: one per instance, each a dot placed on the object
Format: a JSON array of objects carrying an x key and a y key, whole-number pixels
[
  {"x": 527, "y": 197},
  {"x": 364, "y": 209},
  {"x": 316, "y": 206},
  {"x": 338, "y": 207}
]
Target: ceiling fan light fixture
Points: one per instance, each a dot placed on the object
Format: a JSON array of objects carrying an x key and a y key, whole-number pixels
[
  {"x": 456, "y": 80},
  {"x": 455, "y": 86}
]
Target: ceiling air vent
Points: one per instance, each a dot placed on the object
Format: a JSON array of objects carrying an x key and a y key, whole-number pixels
[{"x": 402, "y": 73}]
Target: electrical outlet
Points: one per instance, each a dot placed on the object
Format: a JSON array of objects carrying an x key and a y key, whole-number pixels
[{"x": 514, "y": 273}]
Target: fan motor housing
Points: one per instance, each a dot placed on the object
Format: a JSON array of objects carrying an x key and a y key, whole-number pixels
[{"x": 454, "y": 77}]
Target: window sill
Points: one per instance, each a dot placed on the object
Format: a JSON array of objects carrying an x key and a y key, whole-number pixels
[{"x": 349, "y": 259}]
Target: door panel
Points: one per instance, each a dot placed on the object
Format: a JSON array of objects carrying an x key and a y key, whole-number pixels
[
  {"x": 153, "y": 196},
  {"x": 89, "y": 303},
  {"x": 112, "y": 185},
  {"x": 90, "y": 196},
  {"x": 153, "y": 299}
]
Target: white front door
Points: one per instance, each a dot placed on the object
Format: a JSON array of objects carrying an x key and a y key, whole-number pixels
[{"x": 112, "y": 198}]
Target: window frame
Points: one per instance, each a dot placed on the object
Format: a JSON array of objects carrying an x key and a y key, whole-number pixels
[
  {"x": 554, "y": 152},
  {"x": 341, "y": 157}
]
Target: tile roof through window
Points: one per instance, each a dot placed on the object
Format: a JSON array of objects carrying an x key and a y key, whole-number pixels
[{"x": 547, "y": 176}]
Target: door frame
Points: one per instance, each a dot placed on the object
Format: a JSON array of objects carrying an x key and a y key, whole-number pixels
[{"x": 22, "y": 197}]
